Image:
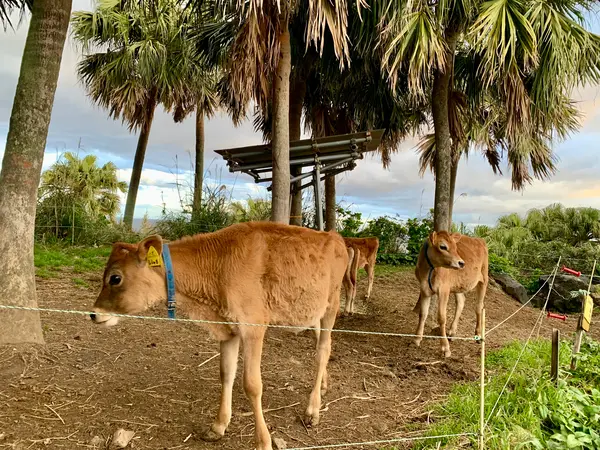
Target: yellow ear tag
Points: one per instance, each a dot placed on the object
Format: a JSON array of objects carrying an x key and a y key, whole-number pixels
[{"x": 153, "y": 258}]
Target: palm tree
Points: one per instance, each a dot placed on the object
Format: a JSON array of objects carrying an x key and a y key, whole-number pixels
[
  {"x": 22, "y": 162},
  {"x": 144, "y": 58},
  {"x": 258, "y": 66},
  {"x": 524, "y": 55},
  {"x": 94, "y": 188}
]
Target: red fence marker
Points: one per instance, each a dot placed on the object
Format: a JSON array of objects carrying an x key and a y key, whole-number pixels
[
  {"x": 562, "y": 317},
  {"x": 570, "y": 271}
]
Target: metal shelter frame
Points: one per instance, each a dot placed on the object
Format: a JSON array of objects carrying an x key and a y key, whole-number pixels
[{"x": 326, "y": 156}]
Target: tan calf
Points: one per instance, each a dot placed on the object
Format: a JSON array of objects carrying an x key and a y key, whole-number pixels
[
  {"x": 258, "y": 272},
  {"x": 450, "y": 263},
  {"x": 365, "y": 255}
]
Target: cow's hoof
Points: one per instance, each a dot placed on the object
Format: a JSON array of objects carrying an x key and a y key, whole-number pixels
[
  {"x": 311, "y": 420},
  {"x": 209, "y": 435}
]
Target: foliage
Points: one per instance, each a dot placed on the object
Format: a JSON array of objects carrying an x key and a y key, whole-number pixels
[
  {"x": 515, "y": 67},
  {"x": 536, "y": 240},
  {"x": 214, "y": 213},
  {"x": 76, "y": 195},
  {"x": 533, "y": 413},
  {"x": 145, "y": 57},
  {"x": 400, "y": 241},
  {"x": 252, "y": 210}
]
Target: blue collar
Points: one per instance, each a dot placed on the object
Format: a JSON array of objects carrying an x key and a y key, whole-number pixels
[
  {"x": 431, "y": 268},
  {"x": 170, "y": 281}
]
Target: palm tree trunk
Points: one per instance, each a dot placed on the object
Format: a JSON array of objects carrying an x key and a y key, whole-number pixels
[
  {"x": 330, "y": 216},
  {"x": 138, "y": 161},
  {"x": 199, "y": 169},
  {"x": 22, "y": 166},
  {"x": 280, "y": 200},
  {"x": 453, "y": 173},
  {"x": 440, "y": 96},
  {"x": 298, "y": 92}
]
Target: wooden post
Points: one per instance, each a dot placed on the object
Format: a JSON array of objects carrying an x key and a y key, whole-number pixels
[
  {"x": 580, "y": 329},
  {"x": 554, "y": 363},
  {"x": 482, "y": 385},
  {"x": 73, "y": 227}
]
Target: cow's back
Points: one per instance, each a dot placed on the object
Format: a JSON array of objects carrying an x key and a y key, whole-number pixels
[{"x": 286, "y": 274}]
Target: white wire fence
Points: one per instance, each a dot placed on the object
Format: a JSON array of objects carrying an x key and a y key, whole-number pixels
[{"x": 481, "y": 339}]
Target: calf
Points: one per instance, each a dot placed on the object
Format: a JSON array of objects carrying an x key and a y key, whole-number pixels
[
  {"x": 252, "y": 273},
  {"x": 365, "y": 255},
  {"x": 450, "y": 263}
]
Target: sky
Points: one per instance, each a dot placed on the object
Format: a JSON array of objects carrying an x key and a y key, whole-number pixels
[{"x": 78, "y": 125}]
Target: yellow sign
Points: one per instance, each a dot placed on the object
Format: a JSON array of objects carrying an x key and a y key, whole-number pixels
[
  {"x": 586, "y": 318},
  {"x": 153, "y": 258}
]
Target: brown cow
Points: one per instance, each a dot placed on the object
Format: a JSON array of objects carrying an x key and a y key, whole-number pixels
[
  {"x": 257, "y": 272},
  {"x": 450, "y": 263},
  {"x": 365, "y": 255}
]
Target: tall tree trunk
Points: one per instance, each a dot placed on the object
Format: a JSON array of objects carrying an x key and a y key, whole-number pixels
[
  {"x": 138, "y": 161},
  {"x": 440, "y": 96},
  {"x": 22, "y": 166},
  {"x": 199, "y": 169},
  {"x": 330, "y": 213},
  {"x": 297, "y": 94},
  {"x": 280, "y": 201},
  {"x": 453, "y": 173}
]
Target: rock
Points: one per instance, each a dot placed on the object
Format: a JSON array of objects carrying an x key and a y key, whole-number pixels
[
  {"x": 596, "y": 297},
  {"x": 96, "y": 441},
  {"x": 512, "y": 287},
  {"x": 121, "y": 438},
  {"x": 279, "y": 443},
  {"x": 560, "y": 298}
]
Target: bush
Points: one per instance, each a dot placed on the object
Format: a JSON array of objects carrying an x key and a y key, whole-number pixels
[{"x": 533, "y": 412}]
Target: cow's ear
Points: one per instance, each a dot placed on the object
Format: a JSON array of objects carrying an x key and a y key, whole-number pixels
[
  {"x": 150, "y": 250},
  {"x": 456, "y": 237},
  {"x": 432, "y": 238},
  {"x": 123, "y": 247}
]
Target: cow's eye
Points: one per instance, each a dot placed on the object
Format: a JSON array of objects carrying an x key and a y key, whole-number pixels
[
  {"x": 443, "y": 247},
  {"x": 114, "y": 280}
]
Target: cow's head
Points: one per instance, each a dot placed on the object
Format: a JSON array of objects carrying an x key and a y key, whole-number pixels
[
  {"x": 443, "y": 251},
  {"x": 132, "y": 282}
]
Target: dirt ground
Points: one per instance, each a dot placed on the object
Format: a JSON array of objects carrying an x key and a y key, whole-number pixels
[{"x": 161, "y": 379}]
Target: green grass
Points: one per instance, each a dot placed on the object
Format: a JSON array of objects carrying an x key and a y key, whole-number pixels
[
  {"x": 533, "y": 413},
  {"x": 50, "y": 260},
  {"x": 81, "y": 282}
]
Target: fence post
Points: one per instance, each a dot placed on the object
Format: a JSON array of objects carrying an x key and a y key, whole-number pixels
[
  {"x": 555, "y": 355},
  {"x": 580, "y": 324},
  {"x": 73, "y": 227},
  {"x": 482, "y": 385}
]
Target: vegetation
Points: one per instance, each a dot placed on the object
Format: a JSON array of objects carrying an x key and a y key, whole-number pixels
[
  {"x": 485, "y": 68},
  {"x": 526, "y": 246},
  {"x": 77, "y": 199},
  {"x": 144, "y": 58},
  {"x": 533, "y": 412}
]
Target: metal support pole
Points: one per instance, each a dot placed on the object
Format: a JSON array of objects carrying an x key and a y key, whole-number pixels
[
  {"x": 555, "y": 355},
  {"x": 318, "y": 203},
  {"x": 482, "y": 385}
]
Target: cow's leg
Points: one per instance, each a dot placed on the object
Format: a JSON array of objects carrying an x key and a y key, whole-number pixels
[
  {"x": 371, "y": 273},
  {"x": 423, "y": 303},
  {"x": 229, "y": 358},
  {"x": 350, "y": 292},
  {"x": 443, "y": 297},
  {"x": 460, "y": 304},
  {"x": 253, "y": 343},
  {"x": 324, "y": 380},
  {"x": 323, "y": 352},
  {"x": 480, "y": 291}
]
